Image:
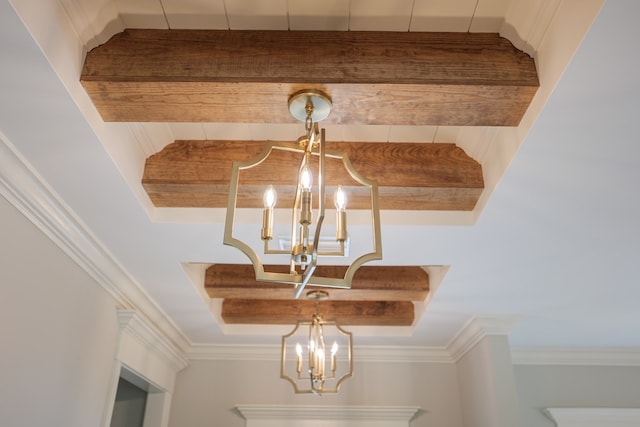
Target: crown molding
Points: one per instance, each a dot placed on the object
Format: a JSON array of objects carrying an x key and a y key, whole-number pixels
[
  {"x": 361, "y": 354},
  {"x": 466, "y": 339},
  {"x": 476, "y": 329},
  {"x": 152, "y": 340},
  {"x": 312, "y": 412},
  {"x": 402, "y": 354},
  {"x": 470, "y": 334},
  {"x": 28, "y": 192},
  {"x": 576, "y": 356},
  {"x": 245, "y": 352}
]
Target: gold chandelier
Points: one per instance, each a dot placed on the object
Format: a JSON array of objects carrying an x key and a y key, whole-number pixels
[
  {"x": 316, "y": 354},
  {"x": 304, "y": 241}
]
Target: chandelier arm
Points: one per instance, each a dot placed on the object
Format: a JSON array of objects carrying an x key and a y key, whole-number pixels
[
  {"x": 339, "y": 252},
  {"x": 268, "y": 251}
]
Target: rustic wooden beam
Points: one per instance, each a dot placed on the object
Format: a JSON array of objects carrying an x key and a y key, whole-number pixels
[
  {"x": 370, "y": 283},
  {"x": 402, "y": 78},
  {"x": 348, "y": 313},
  {"x": 411, "y": 176}
]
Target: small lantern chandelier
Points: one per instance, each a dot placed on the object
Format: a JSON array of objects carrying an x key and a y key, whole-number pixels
[
  {"x": 316, "y": 355},
  {"x": 308, "y": 106}
]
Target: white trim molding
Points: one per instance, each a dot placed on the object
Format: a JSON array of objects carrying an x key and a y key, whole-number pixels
[
  {"x": 476, "y": 329},
  {"x": 468, "y": 336},
  {"x": 150, "y": 340},
  {"x": 327, "y": 416},
  {"x": 270, "y": 352},
  {"x": 28, "y": 192},
  {"x": 595, "y": 417}
]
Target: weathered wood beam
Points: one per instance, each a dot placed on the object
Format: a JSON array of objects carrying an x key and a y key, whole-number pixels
[
  {"x": 348, "y": 313},
  {"x": 370, "y": 283},
  {"x": 411, "y": 176},
  {"x": 401, "y": 78}
]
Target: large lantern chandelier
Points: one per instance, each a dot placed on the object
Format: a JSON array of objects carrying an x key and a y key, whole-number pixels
[
  {"x": 308, "y": 209},
  {"x": 316, "y": 354}
]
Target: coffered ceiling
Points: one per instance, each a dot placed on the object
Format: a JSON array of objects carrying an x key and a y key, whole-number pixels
[
  {"x": 373, "y": 78},
  {"x": 434, "y": 98}
]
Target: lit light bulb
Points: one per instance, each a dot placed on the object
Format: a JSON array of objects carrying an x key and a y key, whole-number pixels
[
  {"x": 340, "y": 199},
  {"x": 320, "y": 369},
  {"x": 299, "y": 360},
  {"x": 334, "y": 348},
  {"x": 306, "y": 178},
  {"x": 269, "y": 200},
  {"x": 270, "y": 197}
]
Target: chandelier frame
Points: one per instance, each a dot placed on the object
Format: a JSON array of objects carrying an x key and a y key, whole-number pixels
[
  {"x": 315, "y": 147},
  {"x": 317, "y": 378}
]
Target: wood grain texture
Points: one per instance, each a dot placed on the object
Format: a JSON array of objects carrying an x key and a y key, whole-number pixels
[
  {"x": 370, "y": 283},
  {"x": 403, "y": 78},
  {"x": 347, "y": 313},
  {"x": 410, "y": 176}
]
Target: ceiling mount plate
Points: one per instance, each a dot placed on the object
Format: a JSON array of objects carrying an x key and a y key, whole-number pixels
[
  {"x": 318, "y": 295},
  {"x": 319, "y": 100}
]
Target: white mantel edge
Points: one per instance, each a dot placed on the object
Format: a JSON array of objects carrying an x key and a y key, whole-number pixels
[{"x": 312, "y": 412}]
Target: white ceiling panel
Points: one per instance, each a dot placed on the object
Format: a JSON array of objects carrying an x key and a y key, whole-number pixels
[
  {"x": 442, "y": 15},
  {"x": 329, "y": 15},
  {"x": 365, "y": 133},
  {"x": 447, "y": 134},
  {"x": 333, "y": 132},
  {"x": 141, "y": 13},
  {"x": 228, "y": 131},
  {"x": 193, "y": 131},
  {"x": 151, "y": 137},
  {"x": 196, "y": 14},
  {"x": 489, "y": 16},
  {"x": 257, "y": 14},
  {"x": 380, "y": 15},
  {"x": 286, "y": 132},
  {"x": 412, "y": 133}
]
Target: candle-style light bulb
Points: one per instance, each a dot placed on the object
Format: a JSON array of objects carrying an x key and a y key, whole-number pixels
[
  {"x": 340, "y": 200},
  {"x": 334, "y": 351},
  {"x": 320, "y": 368},
  {"x": 306, "y": 178},
  {"x": 299, "y": 353},
  {"x": 269, "y": 199}
]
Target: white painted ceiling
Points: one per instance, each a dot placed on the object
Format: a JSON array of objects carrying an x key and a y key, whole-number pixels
[{"x": 552, "y": 246}]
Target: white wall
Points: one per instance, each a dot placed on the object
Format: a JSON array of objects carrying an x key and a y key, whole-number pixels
[
  {"x": 58, "y": 331},
  {"x": 207, "y": 391},
  {"x": 487, "y": 384},
  {"x": 541, "y": 387}
]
